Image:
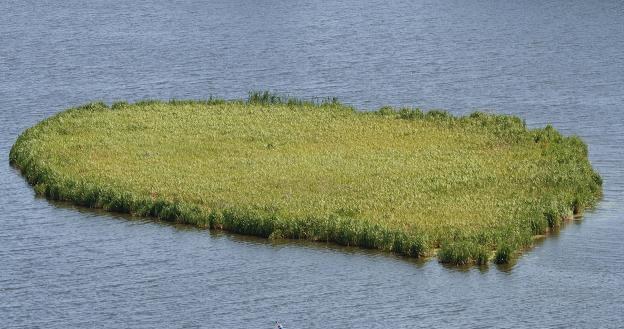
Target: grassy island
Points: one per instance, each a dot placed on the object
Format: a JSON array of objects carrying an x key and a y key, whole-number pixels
[{"x": 467, "y": 189}]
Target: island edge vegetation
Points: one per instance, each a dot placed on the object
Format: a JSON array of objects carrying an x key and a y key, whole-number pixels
[{"x": 468, "y": 189}]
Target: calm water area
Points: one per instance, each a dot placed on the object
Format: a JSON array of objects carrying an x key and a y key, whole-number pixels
[{"x": 548, "y": 61}]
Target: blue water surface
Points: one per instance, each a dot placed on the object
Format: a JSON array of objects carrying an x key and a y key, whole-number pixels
[{"x": 548, "y": 61}]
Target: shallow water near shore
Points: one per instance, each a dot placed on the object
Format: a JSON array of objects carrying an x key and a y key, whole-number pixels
[{"x": 547, "y": 62}]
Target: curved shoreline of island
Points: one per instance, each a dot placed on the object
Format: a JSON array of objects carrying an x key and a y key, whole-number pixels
[{"x": 469, "y": 189}]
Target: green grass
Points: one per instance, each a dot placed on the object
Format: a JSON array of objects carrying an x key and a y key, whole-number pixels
[{"x": 469, "y": 189}]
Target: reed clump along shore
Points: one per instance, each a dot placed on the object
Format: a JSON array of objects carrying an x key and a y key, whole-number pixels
[{"x": 469, "y": 189}]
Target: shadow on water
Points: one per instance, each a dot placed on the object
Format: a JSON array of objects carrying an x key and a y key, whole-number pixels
[
  {"x": 239, "y": 238},
  {"x": 553, "y": 234}
]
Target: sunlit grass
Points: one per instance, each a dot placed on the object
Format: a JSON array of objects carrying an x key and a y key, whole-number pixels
[{"x": 469, "y": 188}]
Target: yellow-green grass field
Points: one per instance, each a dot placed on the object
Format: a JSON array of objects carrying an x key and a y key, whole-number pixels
[{"x": 467, "y": 189}]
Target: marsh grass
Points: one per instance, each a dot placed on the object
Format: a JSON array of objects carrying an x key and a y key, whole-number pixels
[{"x": 469, "y": 189}]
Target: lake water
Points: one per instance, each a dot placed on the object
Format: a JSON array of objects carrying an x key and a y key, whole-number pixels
[{"x": 559, "y": 62}]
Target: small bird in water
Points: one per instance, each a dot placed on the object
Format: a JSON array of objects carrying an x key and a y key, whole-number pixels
[{"x": 278, "y": 325}]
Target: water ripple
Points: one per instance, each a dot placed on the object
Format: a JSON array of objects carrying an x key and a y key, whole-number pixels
[{"x": 551, "y": 64}]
